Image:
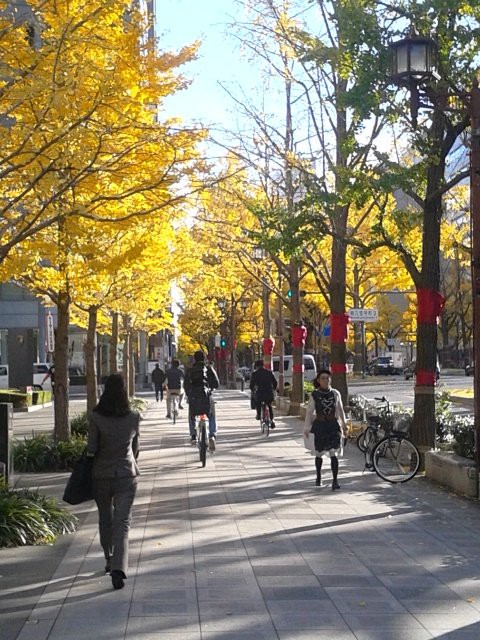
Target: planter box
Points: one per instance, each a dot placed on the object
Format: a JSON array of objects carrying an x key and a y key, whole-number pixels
[
  {"x": 282, "y": 405},
  {"x": 453, "y": 471}
]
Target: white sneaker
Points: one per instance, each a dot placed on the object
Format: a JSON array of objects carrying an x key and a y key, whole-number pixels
[{"x": 211, "y": 444}]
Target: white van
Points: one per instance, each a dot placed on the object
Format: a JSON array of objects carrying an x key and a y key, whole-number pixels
[{"x": 310, "y": 368}]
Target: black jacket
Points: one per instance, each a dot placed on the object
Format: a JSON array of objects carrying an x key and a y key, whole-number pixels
[
  {"x": 174, "y": 378},
  {"x": 263, "y": 384},
  {"x": 158, "y": 376}
]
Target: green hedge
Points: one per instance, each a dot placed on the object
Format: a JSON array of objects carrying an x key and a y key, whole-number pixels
[
  {"x": 42, "y": 453},
  {"x": 19, "y": 399},
  {"x": 27, "y": 517}
]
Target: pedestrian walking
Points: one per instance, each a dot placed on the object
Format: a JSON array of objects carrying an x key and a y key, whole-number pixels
[
  {"x": 158, "y": 378},
  {"x": 113, "y": 434},
  {"x": 325, "y": 425}
]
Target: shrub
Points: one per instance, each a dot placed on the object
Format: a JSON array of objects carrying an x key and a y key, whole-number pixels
[
  {"x": 453, "y": 431},
  {"x": 79, "y": 424},
  {"x": 138, "y": 404},
  {"x": 27, "y": 517},
  {"x": 42, "y": 453}
]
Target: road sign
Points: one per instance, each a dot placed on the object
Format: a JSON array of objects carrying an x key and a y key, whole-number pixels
[
  {"x": 363, "y": 315},
  {"x": 50, "y": 334}
]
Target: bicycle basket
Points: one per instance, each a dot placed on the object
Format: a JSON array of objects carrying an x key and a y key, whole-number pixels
[{"x": 402, "y": 422}]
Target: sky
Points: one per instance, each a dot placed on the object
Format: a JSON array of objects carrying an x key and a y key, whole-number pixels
[{"x": 180, "y": 22}]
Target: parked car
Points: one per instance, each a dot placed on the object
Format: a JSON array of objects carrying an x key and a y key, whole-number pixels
[
  {"x": 245, "y": 372},
  {"x": 409, "y": 372},
  {"x": 470, "y": 369},
  {"x": 383, "y": 366}
]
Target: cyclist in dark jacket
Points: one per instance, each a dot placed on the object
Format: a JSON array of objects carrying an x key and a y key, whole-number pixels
[
  {"x": 263, "y": 384},
  {"x": 200, "y": 380}
]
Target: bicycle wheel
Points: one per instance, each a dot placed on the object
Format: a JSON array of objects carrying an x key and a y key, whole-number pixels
[
  {"x": 395, "y": 459},
  {"x": 361, "y": 441},
  {"x": 266, "y": 420},
  {"x": 202, "y": 445}
]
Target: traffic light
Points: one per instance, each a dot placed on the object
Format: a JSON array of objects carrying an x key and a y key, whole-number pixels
[
  {"x": 302, "y": 293},
  {"x": 223, "y": 342},
  {"x": 289, "y": 293}
]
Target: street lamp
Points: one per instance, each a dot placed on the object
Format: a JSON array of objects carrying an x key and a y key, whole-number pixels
[{"x": 414, "y": 63}]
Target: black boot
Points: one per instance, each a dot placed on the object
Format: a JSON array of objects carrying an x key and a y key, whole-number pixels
[
  {"x": 318, "y": 467},
  {"x": 334, "y": 464}
]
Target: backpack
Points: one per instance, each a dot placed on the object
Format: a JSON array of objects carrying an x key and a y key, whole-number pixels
[{"x": 199, "y": 395}]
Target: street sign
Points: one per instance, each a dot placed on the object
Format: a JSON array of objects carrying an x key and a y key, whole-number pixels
[
  {"x": 50, "y": 334},
  {"x": 363, "y": 315}
]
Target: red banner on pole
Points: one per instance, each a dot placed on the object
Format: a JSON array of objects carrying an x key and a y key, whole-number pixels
[
  {"x": 268, "y": 344},
  {"x": 299, "y": 335},
  {"x": 338, "y": 328},
  {"x": 430, "y": 305}
]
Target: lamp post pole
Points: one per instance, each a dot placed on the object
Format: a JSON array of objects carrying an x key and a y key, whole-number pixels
[{"x": 475, "y": 235}]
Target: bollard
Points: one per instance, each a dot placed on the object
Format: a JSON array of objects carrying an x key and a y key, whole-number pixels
[{"x": 6, "y": 439}]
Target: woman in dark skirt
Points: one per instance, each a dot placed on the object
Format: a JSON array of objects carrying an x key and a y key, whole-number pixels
[{"x": 325, "y": 425}]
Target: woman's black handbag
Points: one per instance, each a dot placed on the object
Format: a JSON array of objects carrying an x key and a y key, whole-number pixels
[{"x": 79, "y": 485}]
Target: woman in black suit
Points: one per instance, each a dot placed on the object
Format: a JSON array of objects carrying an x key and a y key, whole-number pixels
[{"x": 113, "y": 434}]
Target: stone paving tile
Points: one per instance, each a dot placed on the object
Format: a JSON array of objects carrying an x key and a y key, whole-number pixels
[
  {"x": 449, "y": 622},
  {"x": 146, "y": 626},
  {"x": 309, "y": 620},
  {"x": 368, "y": 599},
  {"x": 401, "y": 622},
  {"x": 317, "y": 634},
  {"x": 402, "y": 634}
]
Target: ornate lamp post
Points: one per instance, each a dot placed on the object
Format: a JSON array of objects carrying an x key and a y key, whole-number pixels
[{"x": 414, "y": 65}]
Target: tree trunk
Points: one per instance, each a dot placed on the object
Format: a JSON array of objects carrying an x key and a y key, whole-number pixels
[
  {"x": 114, "y": 344},
  {"x": 267, "y": 357},
  {"x": 91, "y": 359},
  {"x": 423, "y": 430},
  {"x": 131, "y": 359},
  {"x": 297, "y": 394},
  {"x": 60, "y": 390},
  {"x": 126, "y": 351},
  {"x": 339, "y": 248}
]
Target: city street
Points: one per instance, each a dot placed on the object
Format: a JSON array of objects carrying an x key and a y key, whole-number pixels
[{"x": 249, "y": 549}]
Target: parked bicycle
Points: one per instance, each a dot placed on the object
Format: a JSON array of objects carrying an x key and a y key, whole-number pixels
[
  {"x": 265, "y": 421},
  {"x": 385, "y": 443}
]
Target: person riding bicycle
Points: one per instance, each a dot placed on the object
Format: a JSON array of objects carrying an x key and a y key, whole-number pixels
[
  {"x": 200, "y": 381},
  {"x": 174, "y": 378},
  {"x": 263, "y": 385}
]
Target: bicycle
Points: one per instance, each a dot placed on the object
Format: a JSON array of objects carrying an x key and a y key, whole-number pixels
[
  {"x": 375, "y": 416},
  {"x": 395, "y": 458},
  {"x": 387, "y": 448},
  {"x": 201, "y": 424},
  {"x": 265, "y": 422}
]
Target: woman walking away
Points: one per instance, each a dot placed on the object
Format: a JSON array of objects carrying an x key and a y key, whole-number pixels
[
  {"x": 325, "y": 425},
  {"x": 113, "y": 432}
]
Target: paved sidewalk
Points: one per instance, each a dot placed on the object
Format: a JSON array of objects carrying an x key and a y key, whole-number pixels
[{"x": 249, "y": 549}]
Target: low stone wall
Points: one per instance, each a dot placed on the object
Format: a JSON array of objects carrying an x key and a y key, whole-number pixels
[
  {"x": 282, "y": 405},
  {"x": 451, "y": 470}
]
